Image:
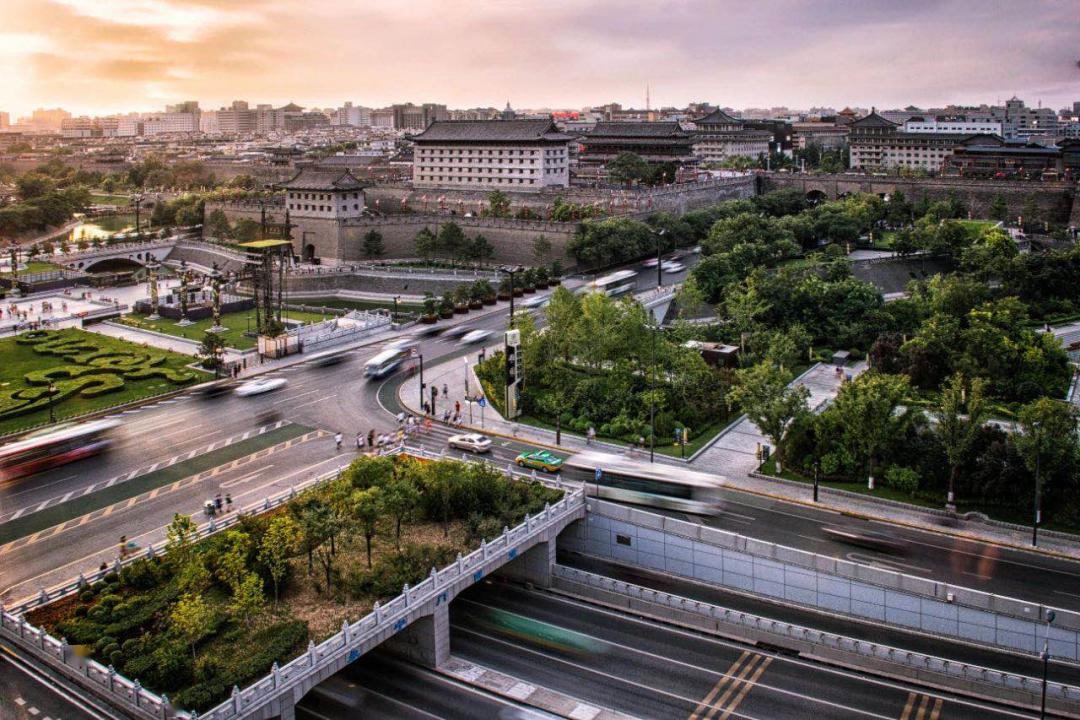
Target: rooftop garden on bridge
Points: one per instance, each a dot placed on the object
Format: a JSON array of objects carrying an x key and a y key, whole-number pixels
[{"x": 274, "y": 581}]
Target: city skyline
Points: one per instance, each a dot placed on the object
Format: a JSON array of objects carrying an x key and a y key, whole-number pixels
[{"x": 138, "y": 55}]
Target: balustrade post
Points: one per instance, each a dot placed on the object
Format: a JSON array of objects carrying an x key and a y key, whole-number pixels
[
  {"x": 110, "y": 676},
  {"x": 405, "y": 592},
  {"x": 237, "y": 700},
  {"x": 22, "y": 625},
  {"x": 165, "y": 706},
  {"x": 311, "y": 653},
  {"x": 346, "y": 632},
  {"x": 136, "y": 689},
  {"x": 81, "y": 581},
  {"x": 460, "y": 564},
  {"x": 378, "y": 613},
  {"x": 434, "y": 577},
  {"x": 43, "y": 597}
]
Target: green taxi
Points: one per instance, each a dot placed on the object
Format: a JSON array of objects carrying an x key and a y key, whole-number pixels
[{"x": 540, "y": 460}]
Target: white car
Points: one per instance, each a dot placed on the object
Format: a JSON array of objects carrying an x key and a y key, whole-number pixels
[
  {"x": 537, "y": 301},
  {"x": 473, "y": 442},
  {"x": 475, "y": 336},
  {"x": 260, "y": 386},
  {"x": 673, "y": 267},
  {"x": 457, "y": 331},
  {"x": 651, "y": 262}
]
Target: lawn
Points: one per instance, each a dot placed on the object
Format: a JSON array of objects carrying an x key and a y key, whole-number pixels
[
  {"x": 280, "y": 579},
  {"x": 102, "y": 198},
  {"x": 34, "y": 266},
  {"x": 236, "y": 322},
  {"x": 90, "y": 372}
]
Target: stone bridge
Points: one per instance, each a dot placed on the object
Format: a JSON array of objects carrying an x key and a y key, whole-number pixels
[
  {"x": 135, "y": 253},
  {"x": 1056, "y": 200}
]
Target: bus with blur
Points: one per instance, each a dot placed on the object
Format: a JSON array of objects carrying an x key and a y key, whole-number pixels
[
  {"x": 386, "y": 362},
  {"x": 55, "y": 446},
  {"x": 614, "y": 477},
  {"x": 614, "y": 284}
]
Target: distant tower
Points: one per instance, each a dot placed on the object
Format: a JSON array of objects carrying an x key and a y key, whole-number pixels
[
  {"x": 647, "y": 105},
  {"x": 508, "y": 113}
]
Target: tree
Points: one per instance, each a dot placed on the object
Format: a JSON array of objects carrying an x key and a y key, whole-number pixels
[
  {"x": 999, "y": 209},
  {"x": 246, "y": 230},
  {"x": 366, "y": 472},
  {"x": 400, "y": 499},
  {"x": 628, "y": 168},
  {"x": 1030, "y": 213},
  {"x": 232, "y": 561},
  {"x": 499, "y": 204},
  {"x": 541, "y": 248},
  {"x": 769, "y": 402},
  {"x": 373, "y": 244},
  {"x": 1047, "y": 441},
  {"x": 868, "y": 411},
  {"x": 425, "y": 243},
  {"x": 439, "y": 482},
  {"x": 217, "y": 223},
  {"x": 365, "y": 507},
  {"x": 211, "y": 351},
  {"x": 452, "y": 240},
  {"x": 279, "y": 543},
  {"x": 248, "y": 599},
  {"x": 180, "y": 538},
  {"x": 191, "y": 617},
  {"x": 959, "y": 421},
  {"x": 481, "y": 249}
]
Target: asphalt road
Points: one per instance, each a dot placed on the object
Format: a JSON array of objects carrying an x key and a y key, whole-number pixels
[
  {"x": 653, "y": 671},
  {"x": 27, "y": 694}
]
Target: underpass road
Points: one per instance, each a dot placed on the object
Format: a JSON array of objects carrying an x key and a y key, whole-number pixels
[{"x": 654, "y": 671}]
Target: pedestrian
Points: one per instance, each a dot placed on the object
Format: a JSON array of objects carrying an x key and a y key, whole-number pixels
[
  {"x": 457, "y": 407},
  {"x": 359, "y": 441},
  {"x": 445, "y": 391},
  {"x": 590, "y": 435},
  {"x": 228, "y": 502},
  {"x": 217, "y": 502},
  {"x": 337, "y": 440},
  {"x": 446, "y": 415},
  {"x": 371, "y": 438}
]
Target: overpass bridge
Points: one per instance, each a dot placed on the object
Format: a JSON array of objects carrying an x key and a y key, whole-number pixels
[{"x": 200, "y": 256}]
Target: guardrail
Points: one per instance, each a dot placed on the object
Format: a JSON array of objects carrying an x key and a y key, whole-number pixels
[
  {"x": 394, "y": 271},
  {"x": 902, "y": 658},
  {"x": 130, "y": 694}
]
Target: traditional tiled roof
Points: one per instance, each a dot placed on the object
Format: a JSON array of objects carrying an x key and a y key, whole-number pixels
[
  {"x": 717, "y": 117},
  {"x": 493, "y": 131},
  {"x": 323, "y": 179},
  {"x": 628, "y": 130},
  {"x": 873, "y": 120}
]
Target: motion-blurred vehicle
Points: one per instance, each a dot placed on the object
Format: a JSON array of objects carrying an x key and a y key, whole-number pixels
[
  {"x": 537, "y": 632},
  {"x": 540, "y": 460},
  {"x": 267, "y": 417},
  {"x": 612, "y": 285},
  {"x": 215, "y": 389},
  {"x": 457, "y": 331},
  {"x": 474, "y": 336},
  {"x": 863, "y": 537},
  {"x": 386, "y": 362},
  {"x": 260, "y": 386},
  {"x": 650, "y": 263},
  {"x": 328, "y": 359},
  {"x": 696, "y": 250},
  {"x": 429, "y": 331},
  {"x": 401, "y": 343},
  {"x": 473, "y": 442},
  {"x": 537, "y": 301},
  {"x": 614, "y": 477},
  {"x": 55, "y": 446},
  {"x": 673, "y": 267}
]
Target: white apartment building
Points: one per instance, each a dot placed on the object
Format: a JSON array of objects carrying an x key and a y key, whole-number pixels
[
  {"x": 491, "y": 154},
  {"x": 354, "y": 115},
  {"x": 960, "y": 126},
  {"x": 172, "y": 122},
  {"x": 77, "y": 127},
  {"x": 129, "y": 126}
]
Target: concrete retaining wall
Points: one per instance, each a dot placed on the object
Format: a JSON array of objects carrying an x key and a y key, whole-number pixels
[{"x": 713, "y": 556}]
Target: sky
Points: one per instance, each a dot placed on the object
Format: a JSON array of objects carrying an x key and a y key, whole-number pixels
[{"x": 99, "y": 56}]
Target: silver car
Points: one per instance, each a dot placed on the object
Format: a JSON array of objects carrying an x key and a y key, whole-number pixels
[{"x": 473, "y": 442}]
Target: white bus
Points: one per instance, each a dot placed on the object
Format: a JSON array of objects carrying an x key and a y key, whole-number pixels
[
  {"x": 617, "y": 283},
  {"x": 614, "y": 477},
  {"x": 386, "y": 362}
]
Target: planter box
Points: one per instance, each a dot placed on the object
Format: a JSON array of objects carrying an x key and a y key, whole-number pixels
[
  {"x": 518, "y": 292},
  {"x": 491, "y": 300},
  {"x": 461, "y": 309},
  {"x": 429, "y": 319},
  {"x": 530, "y": 290},
  {"x": 555, "y": 282},
  {"x": 503, "y": 296},
  {"x": 541, "y": 286},
  {"x": 446, "y": 314},
  {"x": 476, "y": 304}
]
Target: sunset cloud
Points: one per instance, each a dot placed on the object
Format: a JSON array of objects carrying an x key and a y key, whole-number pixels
[{"x": 108, "y": 55}]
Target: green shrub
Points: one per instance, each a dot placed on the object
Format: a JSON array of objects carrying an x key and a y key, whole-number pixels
[
  {"x": 902, "y": 479},
  {"x": 143, "y": 574},
  {"x": 86, "y": 595},
  {"x": 80, "y": 611}
]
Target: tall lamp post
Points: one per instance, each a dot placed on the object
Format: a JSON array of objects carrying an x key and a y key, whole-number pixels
[
  {"x": 652, "y": 392},
  {"x": 1050, "y": 615},
  {"x": 396, "y": 298},
  {"x": 420, "y": 357},
  {"x": 511, "y": 272},
  {"x": 1038, "y": 486}
]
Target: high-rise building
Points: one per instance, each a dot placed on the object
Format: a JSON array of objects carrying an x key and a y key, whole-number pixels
[
  {"x": 417, "y": 117},
  {"x": 1019, "y": 120},
  {"x": 237, "y": 119},
  {"x": 354, "y": 115},
  {"x": 180, "y": 118},
  {"x": 5, "y": 121}
]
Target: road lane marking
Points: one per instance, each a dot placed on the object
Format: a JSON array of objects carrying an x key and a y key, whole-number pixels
[
  {"x": 240, "y": 480},
  {"x": 937, "y": 709},
  {"x": 906, "y": 715},
  {"x": 313, "y": 402},
  {"x": 731, "y": 687},
  {"x": 706, "y": 702},
  {"x": 748, "y": 685}
]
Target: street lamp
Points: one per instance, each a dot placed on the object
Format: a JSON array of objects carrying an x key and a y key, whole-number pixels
[
  {"x": 652, "y": 396},
  {"x": 817, "y": 470},
  {"x": 1050, "y": 615},
  {"x": 420, "y": 357},
  {"x": 511, "y": 272},
  {"x": 1038, "y": 485},
  {"x": 659, "y": 240},
  {"x": 52, "y": 391},
  {"x": 396, "y": 298}
]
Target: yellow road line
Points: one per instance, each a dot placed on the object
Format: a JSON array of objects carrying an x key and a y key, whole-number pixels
[
  {"x": 937, "y": 709},
  {"x": 734, "y": 686},
  {"x": 924, "y": 700},
  {"x": 706, "y": 703},
  {"x": 747, "y": 687}
]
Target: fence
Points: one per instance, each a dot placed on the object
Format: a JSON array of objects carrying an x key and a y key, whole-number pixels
[
  {"x": 834, "y": 585},
  {"x": 429, "y": 273},
  {"x": 987, "y": 682},
  {"x": 130, "y": 694}
]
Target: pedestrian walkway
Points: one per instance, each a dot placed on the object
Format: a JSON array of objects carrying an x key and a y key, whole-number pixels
[{"x": 732, "y": 455}]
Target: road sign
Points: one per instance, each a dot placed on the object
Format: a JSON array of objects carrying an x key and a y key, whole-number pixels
[
  {"x": 599, "y": 474},
  {"x": 481, "y": 401}
]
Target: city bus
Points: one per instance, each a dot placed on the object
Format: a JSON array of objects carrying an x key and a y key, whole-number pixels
[
  {"x": 386, "y": 362},
  {"x": 55, "y": 446},
  {"x": 614, "y": 477},
  {"x": 617, "y": 283}
]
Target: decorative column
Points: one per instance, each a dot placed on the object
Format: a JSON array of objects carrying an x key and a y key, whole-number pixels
[
  {"x": 184, "y": 322},
  {"x": 152, "y": 271},
  {"x": 15, "y": 292},
  {"x": 215, "y": 288}
]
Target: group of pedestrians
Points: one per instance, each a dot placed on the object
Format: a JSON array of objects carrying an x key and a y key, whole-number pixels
[{"x": 377, "y": 442}]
